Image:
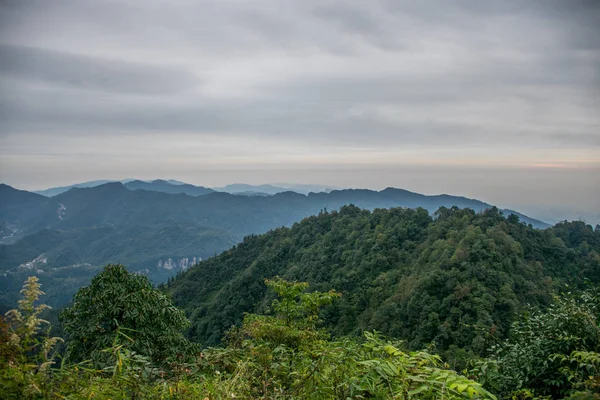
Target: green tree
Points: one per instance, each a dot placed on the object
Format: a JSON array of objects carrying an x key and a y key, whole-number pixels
[
  {"x": 296, "y": 315},
  {"x": 117, "y": 301},
  {"x": 554, "y": 353},
  {"x": 284, "y": 355}
]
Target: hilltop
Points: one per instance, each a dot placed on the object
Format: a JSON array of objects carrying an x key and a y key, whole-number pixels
[{"x": 447, "y": 279}]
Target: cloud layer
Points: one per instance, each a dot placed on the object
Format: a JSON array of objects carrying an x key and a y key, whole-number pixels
[{"x": 267, "y": 85}]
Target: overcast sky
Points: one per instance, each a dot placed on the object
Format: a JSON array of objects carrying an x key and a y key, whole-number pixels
[{"x": 497, "y": 100}]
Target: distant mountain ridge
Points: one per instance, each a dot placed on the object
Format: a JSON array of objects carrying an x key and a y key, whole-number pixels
[
  {"x": 89, "y": 227},
  {"x": 214, "y": 207},
  {"x": 61, "y": 189},
  {"x": 239, "y": 188},
  {"x": 411, "y": 199},
  {"x": 175, "y": 186},
  {"x": 243, "y": 188},
  {"x": 163, "y": 186}
]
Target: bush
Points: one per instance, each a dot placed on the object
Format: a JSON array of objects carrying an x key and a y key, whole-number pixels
[
  {"x": 551, "y": 353},
  {"x": 115, "y": 300}
]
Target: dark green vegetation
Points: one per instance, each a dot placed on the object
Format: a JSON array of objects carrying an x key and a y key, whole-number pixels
[
  {"x": 455, "y": 281},
  {"x": 551, "y": 352},
  {"x": 388, "y": 290},
  {"x": 117, "y": 300},
  {"x": 66, "y": 239},
  {"x": 285, "y": 354},
  {"x": 280, "y": 356}
]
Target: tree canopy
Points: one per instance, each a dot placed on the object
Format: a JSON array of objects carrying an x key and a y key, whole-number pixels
[
  {"x": 455, "y": 280},
  {"x": 118, "y": 300}
]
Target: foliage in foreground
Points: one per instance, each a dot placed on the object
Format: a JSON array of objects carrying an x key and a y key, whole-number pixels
[
  {"x": 555, "y": 353},
  {"x": 117, "y": 300},
  {"x": 26, "y": 357},
  {"x": 284, "y": 355}
]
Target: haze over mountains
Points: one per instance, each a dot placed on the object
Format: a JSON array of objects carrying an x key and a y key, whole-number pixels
[
  {"x": 434, "y": 163},
  {"x": 160, "y": 227},
  {"x": 174, "y": 186}
]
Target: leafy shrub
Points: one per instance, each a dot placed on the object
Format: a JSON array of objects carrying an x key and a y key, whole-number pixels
[
  {"x": 286, "y": 355},
  {"x": 550, "y": 353},
  {"x": 117, "y": 299}
]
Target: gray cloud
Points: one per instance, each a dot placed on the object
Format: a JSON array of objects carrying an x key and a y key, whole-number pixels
[
  {"x": 93, "y": 73},
  {"x": 516, "y": 81}
]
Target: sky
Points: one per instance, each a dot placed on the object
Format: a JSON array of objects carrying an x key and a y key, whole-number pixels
[{"x": 496, "y": 100}]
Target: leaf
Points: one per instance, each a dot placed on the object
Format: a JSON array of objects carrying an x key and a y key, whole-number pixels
[
  {"x": 462, "y": 387},
  {"x": 418, "y": 390}
]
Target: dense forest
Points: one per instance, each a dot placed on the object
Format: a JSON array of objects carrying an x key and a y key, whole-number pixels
[
  {"x": 66, "y": 239},
  {"x": 455, "y": 279},
  {"x": 390, "y": 303}
]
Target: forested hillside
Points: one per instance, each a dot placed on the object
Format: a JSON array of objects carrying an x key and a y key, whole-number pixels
[
  {"x": 456, "y": 279},
  {"x": 65, "y": 239}
]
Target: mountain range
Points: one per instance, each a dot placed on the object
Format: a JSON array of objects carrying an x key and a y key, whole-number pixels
[
  {"x": 159, "y": 227},
  {"x": 170, "y": 186},
  {"x": 61, "y": 189},
  {"x": 162, "y": 186},
  {"x": 243, "y": 188}
]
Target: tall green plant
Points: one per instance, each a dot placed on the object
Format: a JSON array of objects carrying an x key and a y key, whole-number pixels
[
  {"x": 286, "y": 356},
  {"x": 24, "y": 373},
  {"x": 115, "y": 300}
]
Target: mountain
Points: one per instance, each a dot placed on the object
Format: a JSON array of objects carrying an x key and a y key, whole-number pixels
[
  {"x": 23, "y": 212},
  {"x": 250, "y": 193},
  {"x": 61, "y": 189},
  {"x": 239, "y": 188},
  {"x": 147, "y": 230},
  {"x": 94, "y": 227},
  {"x": 158, "y": 185},
  {"x": 245, "y": 188},
  {"x": 456, "y": 279},
  {"x": 175, "y": 182},
  {"x": 65, "y": 260},
  {"x": 306, "y": 188},
  {"x": 173, "y": 187}
]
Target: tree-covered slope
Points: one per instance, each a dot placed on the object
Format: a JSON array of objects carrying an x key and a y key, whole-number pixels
[
  {"x": 66, "y": 260},
  {"x": 144, "y": 229},
  {"x": 455, "y": 280},
  {"x": 22, "y": 212}
]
